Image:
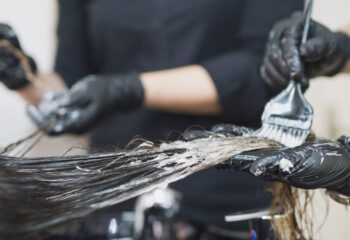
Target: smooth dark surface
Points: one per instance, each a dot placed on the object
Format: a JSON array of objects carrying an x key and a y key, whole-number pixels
[{"x": 226, "y": 36}]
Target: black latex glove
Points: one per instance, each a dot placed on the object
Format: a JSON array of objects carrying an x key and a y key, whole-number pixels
[
  {"x": 227, "y": 130},
  {"x": 324, "y": 54},
  {"x": 88, "y": 101},
  {"x": 239, "y": 162},
  {"x": 322, "y": 164},
  {"x": 12, "y": 73}
]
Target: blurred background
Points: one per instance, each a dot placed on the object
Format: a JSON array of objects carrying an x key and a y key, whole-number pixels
[{"x": 35, "y": 23}]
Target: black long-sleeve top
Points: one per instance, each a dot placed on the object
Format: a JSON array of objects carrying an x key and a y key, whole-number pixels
[{"x": 226, "y": 37}]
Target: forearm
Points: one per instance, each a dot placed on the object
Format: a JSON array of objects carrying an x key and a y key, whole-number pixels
[
  {"x": 33, "y": 92},
  {"x": 188, "y": 90}
]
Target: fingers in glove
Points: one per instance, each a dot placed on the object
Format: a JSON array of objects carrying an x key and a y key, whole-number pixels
[
  {"x": 67, "y": 122},
  {"x": 44, "y": 122},
  {"x": 37, "y": 116},
  {"x": 268, "y": 80},
  {"x": 314, "y": 50},
  {"x": 60, "y": 127},
  {"x": 49, "y": 104},
  {"x": 274, "y": 70},
  {"x": 68, "y": 99},
  {"x": 244, "y": 161},
  {"x": 270, "y": 166},
  {"x": 75, "y": 120},
  {"x": 345, "y": 141},
  {"x": 304, "y": 83},
  {"x": 282, "y": 162},
  {"x": 232, "y": 130},
  {"x": 278, "y": 30},
  {"x": 321, "y": 164},
  {"x": 273, "y": 78},
  {"x": 241, "y": 162},
  {"x": 228, "y": 130},
  {"x": 196, "y": 134},
  {"x": 56, "y": 103},
  {"x": 7, "y": 33},
  {"x": 7, "y": 58},
  {"x": 32, "y": 64},
  {"x": 50, "y": 117},
  {"x": 275, "y": 58},
  {"x": 77, "y": 96},
  {"x": 235, "y": 163},
  {"x": 290, "y": 47},
  {"x": 17, "y": 73}
]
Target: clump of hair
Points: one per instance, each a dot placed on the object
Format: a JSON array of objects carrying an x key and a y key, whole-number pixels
[{"x": 37, "y": 193}]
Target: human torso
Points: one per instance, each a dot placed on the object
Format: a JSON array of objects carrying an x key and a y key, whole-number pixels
[{"x": 149, "y": 35}]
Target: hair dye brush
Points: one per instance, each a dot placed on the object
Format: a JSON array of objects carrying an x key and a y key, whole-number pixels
[{"x": 287, "y": 118}]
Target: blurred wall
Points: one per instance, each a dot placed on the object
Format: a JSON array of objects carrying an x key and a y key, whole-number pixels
[
  {"x": 330, "y": 99},
  {"x": 329, "y": 96},
  {"x": 35, "y": 22}
]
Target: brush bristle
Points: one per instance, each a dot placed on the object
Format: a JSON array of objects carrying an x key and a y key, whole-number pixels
[{"x": 289, "y": 137}]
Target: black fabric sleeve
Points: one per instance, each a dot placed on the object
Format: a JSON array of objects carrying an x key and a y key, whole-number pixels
[
  {"x": 72, "y": 60},
  {"x": 236, "y": 74}
]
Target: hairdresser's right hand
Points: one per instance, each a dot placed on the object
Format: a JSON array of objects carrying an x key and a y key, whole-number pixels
[
  {"x": 77, "y": 110},
  {"x": 324, "y": 54},
  {"x": 12, "y": 73}
]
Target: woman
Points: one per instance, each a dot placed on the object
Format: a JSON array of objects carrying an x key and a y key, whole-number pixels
[{"x": 153, "y": 67}]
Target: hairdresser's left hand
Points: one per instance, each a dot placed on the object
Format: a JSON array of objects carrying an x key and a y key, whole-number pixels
[
  {"x": 323, "y": 164},
  {"x": 87, "y": 102}
]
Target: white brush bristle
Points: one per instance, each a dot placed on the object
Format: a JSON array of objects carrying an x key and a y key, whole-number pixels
[{"x": 289, "y": 137}]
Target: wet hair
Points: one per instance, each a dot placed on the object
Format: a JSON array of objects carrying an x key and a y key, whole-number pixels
[
  {"x": 292, "y": 207},
  {"x": 38, "y": 193}
]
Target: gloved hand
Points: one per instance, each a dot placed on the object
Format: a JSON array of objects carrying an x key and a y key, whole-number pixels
[
  {"x": 323, "y": 164},
  {"x": 12, "y": 73},
  {"x": 324, "y": 54},
  {"x": 88, "y": 101}
]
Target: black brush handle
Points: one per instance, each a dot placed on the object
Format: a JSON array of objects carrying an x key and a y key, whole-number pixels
[
  {"x": 304, "y": 79},
  {"x": 308, "y": 13}
]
